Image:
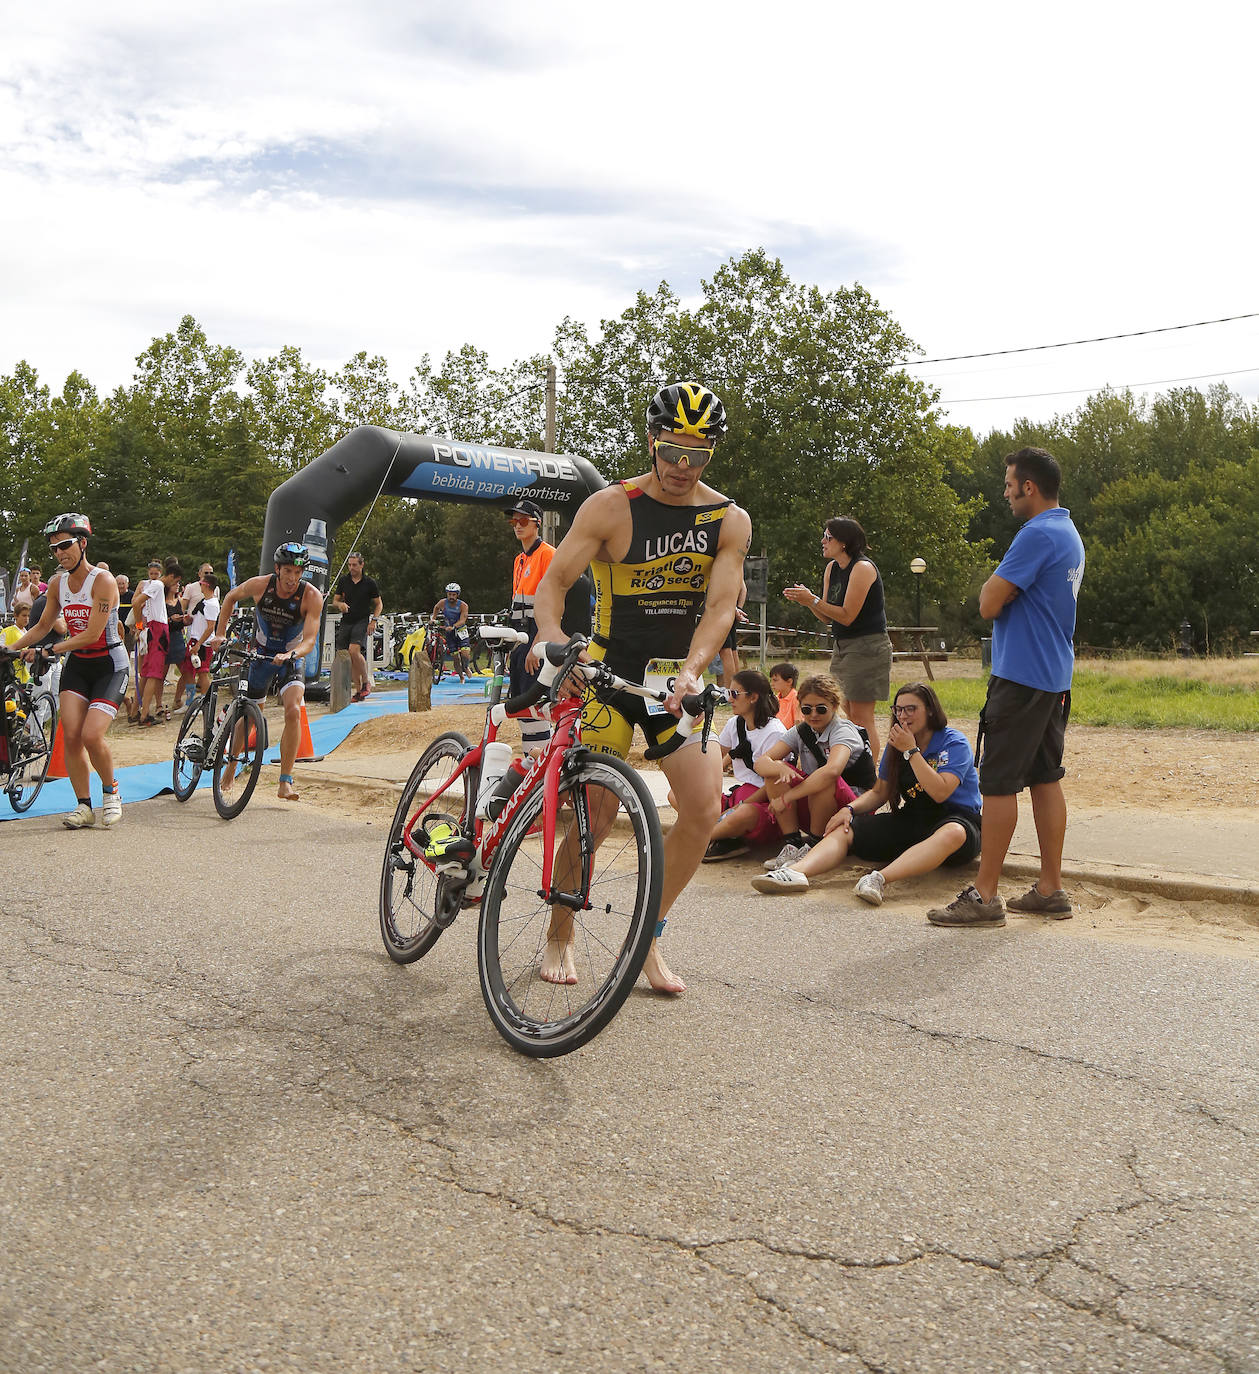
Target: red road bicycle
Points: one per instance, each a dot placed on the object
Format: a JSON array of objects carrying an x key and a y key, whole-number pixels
[{"x": 566, "y": 868}]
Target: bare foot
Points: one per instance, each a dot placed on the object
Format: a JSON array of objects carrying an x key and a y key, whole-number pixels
[
  {"x": 657, "y": 973},
  {"x": 287, "y": 792},
  {"x": 558, "y": 965}
]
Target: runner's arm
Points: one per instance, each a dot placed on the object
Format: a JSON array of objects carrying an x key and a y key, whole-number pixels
[
  {"x": 312, "y": 606},
  {"x": 995, "y": 595},
  {"x": 253, "y": 588},
  {"x": 724, "y": 582},
  {"x": 48, "y": 618},
  {"x": 594, "y": 524}
]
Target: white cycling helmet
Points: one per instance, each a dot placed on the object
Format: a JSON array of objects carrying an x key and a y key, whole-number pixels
[{"x": 452, "y": 587}]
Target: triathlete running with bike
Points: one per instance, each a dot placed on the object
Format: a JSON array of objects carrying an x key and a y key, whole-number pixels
[
  {"x": 667, "y": 555},
  {"x": 453, "y": 615},
  {"x": 286, "y": 617},
  {"x": 94, "y": 678}
]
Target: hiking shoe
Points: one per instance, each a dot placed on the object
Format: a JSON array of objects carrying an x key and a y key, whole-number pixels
[
  {"x": 111, "y": 808},
  {"x": 870, "y": 888},
  {"x": 81, "y": 817},
  {"x": 968, "y": 908},
  {"x": 784, "y": 879},
  {"x": 788, "y": 854},
  {"x": 1035, "y": 903},
  {"x": 725, "y": 849}
]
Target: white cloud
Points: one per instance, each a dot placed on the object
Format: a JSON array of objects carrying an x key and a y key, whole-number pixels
[{"x": 404, "y": 182}]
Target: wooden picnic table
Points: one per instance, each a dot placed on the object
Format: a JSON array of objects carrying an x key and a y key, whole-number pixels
[{"x": 919, "y": 637}]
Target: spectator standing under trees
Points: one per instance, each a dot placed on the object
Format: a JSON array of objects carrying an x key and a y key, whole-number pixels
[
  {"x": 357, "y": 597},
  {"x": 852, "y": 604},
  {"x": 26, "y": 591},
  {"x": 1031, "y": 601}
]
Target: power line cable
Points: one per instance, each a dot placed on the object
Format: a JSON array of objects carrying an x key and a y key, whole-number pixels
[
  {"x": 1109, "y": 386},
  {"x": 1073, "y": 343}
]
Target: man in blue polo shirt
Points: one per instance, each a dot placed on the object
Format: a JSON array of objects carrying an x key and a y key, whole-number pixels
[{"x": 1031, "y": 601}]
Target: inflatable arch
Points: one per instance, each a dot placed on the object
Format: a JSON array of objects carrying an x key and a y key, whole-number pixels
[{"x": 371, "y": 460}]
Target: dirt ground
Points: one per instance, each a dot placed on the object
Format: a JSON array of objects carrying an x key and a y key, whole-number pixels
[{"x": 1141, "y": 769}]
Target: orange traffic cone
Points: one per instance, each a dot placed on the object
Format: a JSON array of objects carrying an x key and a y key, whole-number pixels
[
  {"x": 57, "y": 764},
  {"x": 305, "y": 745}
]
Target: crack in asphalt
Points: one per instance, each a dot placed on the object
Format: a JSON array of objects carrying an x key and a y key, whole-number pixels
[
  {"x": 327, "y": 1026},
  {"x": 1185, "y": 1105}
]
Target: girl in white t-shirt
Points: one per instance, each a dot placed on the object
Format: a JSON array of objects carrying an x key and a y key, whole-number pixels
[{"x": 750, "y": 732}]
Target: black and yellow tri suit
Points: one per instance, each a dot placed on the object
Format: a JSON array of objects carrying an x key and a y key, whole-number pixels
[{"x": 647, "y": 606}]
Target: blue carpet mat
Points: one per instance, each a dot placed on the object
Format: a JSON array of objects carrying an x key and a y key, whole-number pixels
[{"x": 143, "y": 781}]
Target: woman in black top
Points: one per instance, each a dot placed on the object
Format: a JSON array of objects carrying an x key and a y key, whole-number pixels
[{"x": 852, "y": 604}]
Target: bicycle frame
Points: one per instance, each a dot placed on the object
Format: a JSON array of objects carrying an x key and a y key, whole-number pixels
[{"x": 565, "y": 715}]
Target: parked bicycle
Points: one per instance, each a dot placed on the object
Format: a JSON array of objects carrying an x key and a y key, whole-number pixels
[
  {"x": 525, "y": 844},
  {"x": 230, "y": 740},
  {"x": 28, "y": 729}
]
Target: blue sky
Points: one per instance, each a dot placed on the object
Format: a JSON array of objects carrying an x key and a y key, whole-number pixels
[{"x": 343, "y": 179}]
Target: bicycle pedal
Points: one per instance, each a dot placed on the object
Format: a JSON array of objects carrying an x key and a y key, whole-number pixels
[{"x": 452, "y": 869}]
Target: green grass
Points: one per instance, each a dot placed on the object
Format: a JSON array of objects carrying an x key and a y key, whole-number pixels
[{"x": 1158, "y": 701}]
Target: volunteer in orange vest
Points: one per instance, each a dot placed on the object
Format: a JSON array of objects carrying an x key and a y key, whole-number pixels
[{"x": 531, "y": 562}]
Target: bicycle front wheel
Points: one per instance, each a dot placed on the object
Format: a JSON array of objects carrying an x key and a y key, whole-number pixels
[
  {"x": 191, "y": 745},
  {"x": 417, "y": 904},
  {"x": 553, "y": 974},
  {"x": 238, "y": 757},
  {"x": 33, "y": 751}
]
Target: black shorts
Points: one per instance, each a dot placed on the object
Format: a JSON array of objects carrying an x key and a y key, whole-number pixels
[
  {"x": 1021, "y": 734},
  {"x": 285, "y": 674},
  {"x": 98, "y": 679},
  {"x": 351, "y": 632},
  {"x": 732, "y": 639},
  {"x": 886, "y": 835}
]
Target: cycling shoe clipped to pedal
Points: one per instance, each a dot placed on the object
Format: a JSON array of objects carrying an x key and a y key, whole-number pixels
[{"x": 443, "y": 843}]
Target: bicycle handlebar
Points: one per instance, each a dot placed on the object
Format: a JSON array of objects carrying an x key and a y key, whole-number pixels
[{"x": 562, "y": 660}]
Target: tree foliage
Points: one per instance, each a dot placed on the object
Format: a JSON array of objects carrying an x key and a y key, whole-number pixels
[
  {"x": 1165, "y": 498},
  {"x": 823, "y": 422}
]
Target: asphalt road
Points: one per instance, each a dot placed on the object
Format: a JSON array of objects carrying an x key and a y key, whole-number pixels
[{"x": 235, "y": 1136}]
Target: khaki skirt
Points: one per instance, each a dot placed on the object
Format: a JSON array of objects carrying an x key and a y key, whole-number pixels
[{"x": 863, "y": 667}]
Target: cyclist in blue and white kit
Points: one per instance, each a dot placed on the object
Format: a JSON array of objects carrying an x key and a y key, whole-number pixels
[{"x": 286, "y": 615}]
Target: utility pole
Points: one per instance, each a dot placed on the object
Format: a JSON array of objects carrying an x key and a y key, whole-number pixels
[{"x": 550, "y": 521}]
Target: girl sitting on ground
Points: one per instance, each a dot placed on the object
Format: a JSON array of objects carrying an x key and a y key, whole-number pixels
[
  {"x": 749, "y": 732},
  {"x": 832, "y": 759},
  {"x": 928, "y": 774}
]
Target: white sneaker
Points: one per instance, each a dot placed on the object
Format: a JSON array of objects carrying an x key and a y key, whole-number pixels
[
  {"x": 81, "y": 817},
  {"x": 783, "y": 879},
  {"x": 788, "y": 854},
  {"x": 870, "y": 888},
  {"x": 111, "y": 808}
]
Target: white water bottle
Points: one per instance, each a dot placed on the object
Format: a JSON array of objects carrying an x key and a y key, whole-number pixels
[{"x": 494, "y": 760}]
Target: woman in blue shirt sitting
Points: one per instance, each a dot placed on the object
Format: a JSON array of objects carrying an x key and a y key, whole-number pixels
[{"x": 928, "y": 775}]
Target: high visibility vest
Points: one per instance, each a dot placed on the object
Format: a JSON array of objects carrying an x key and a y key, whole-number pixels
[{"x": 527, "y": 572}]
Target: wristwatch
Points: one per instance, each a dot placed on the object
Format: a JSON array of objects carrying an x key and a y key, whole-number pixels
[{"x": 909, "y": 753}]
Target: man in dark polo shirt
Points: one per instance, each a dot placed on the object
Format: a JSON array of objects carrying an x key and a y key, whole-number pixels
[{"x": 357, "y": 597}]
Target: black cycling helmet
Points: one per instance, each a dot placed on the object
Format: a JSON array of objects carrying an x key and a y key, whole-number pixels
[
  {"x": 69, "y": 523},
  {"x": 298, "y": 555},
  {"x": 687, "y": 408}
]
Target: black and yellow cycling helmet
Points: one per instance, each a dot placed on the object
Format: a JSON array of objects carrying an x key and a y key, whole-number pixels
[{"x": 687, "y": 408}]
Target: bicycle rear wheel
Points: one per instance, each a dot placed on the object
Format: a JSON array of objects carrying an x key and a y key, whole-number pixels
[
  {"x": 191, "y": 745},
  {"x": 416, "y": 904},
  {"x": 33, "y": 751},
  {"x": 238, "y": 755},
  {"x": 600, "y": 946}
]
